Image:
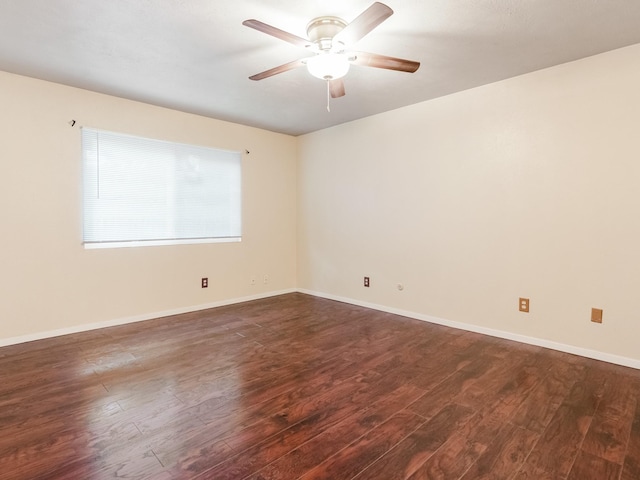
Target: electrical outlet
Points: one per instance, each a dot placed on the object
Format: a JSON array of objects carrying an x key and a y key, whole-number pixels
[
  {"x": 265, "y": 279},
  {"x": 524, "y": 304},
  {"x": 596, "y": 315},
  {"x": 366, "y": 281},
  {"x": 205, "y": 282}
]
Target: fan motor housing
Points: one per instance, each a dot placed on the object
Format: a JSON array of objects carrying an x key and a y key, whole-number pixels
[{"x": 321, "y": 31}]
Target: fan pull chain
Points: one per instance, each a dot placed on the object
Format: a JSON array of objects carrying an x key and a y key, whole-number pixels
[{"x": 328, "y": 96}]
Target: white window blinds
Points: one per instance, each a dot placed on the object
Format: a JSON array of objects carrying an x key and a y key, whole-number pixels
[{"x": 141, "y": 191}]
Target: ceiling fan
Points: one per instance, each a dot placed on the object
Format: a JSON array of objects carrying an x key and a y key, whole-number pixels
[{"x": 331, "y": 39}]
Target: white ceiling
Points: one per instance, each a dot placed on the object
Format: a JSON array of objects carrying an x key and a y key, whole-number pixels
[{"x": 196, "y": 56}]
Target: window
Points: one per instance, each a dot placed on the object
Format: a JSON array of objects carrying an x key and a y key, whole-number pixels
[{"x": 139, "y": 191}]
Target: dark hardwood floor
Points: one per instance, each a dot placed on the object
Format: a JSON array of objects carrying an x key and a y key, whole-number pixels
[{"x": 299, "y": 387}]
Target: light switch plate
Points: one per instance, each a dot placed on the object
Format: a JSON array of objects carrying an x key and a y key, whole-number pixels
[{"x": 596, "y": 315}]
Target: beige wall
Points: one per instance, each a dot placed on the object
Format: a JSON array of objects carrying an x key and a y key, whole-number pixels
[
  {"x": 528, "y": 187},
  {"x": 48, "y": 282}
]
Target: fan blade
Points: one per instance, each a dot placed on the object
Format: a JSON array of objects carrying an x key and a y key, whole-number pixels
[
  {"x": 336, "y": 87},
  {"x": 363, "y": 24},
  {"x": 276, "y": 32},
  {"x": 381, "y": 61},
  {"x": 276, "y": 70}
]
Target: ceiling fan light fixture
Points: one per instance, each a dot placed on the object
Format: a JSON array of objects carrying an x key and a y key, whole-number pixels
[{"x": 328, "y": 66}]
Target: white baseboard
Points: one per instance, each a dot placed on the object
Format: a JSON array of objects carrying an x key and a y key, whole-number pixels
[
  {"x": 137, "y": 318},
  {"x": 583, "y": 352}
]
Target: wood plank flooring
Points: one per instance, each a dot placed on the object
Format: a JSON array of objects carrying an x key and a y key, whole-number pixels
[{"x": 297, "y": 387}]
